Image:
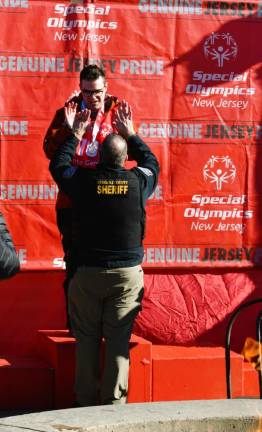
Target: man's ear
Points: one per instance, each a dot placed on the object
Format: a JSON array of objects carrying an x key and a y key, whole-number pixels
[{"x": 106, "y": 85}]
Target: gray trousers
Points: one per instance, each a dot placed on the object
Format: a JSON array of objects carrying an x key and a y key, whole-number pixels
[{"x": 103, "y": 303}]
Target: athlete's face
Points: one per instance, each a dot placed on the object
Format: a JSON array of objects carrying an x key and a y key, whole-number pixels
[{"x": 94, "y": 93}]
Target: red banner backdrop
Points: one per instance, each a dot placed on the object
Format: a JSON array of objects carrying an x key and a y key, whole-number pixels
[{"x": 191, "y": 70}]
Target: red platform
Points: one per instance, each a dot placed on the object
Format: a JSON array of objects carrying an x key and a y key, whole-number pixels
[
  {"x": 157, "y": 373},
  {"x": 37, "y": 366},
  {"x": 26, "y": 383},
  {"x": 181, "y": 373},
  {"x": 250, "y": 381},
  {"x": 58, "y": 349}
]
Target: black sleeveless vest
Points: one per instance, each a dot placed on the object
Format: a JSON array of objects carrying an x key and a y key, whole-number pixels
[{"x": 108, "y": 218}]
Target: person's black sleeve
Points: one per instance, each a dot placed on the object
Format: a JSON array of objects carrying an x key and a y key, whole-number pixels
[
  {"x": 147, "y": 164},
  {"x": 9, "y": 262},
  {"x": 60, "y": 166}
]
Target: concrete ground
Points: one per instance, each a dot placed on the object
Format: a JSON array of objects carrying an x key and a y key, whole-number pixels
[{"x": 236, "y": 415}]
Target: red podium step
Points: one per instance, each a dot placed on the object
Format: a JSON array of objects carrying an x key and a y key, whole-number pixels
[
  {"x": 187, "y": 373},
  {"x": 250, "y": 381},
  {"x": 157, "y": 373},
  {"x": 26, "y": 383},
  {"x": 58, "y": 349}
]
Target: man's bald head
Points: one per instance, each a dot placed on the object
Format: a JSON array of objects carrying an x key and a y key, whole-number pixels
[{"x": 114, "y": 150}]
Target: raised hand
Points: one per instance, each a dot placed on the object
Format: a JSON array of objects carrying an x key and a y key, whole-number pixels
[
  {"x": 70, "y": 112},
  {"x": 81, "y": 121},
  {"x": 123, "y": 120}
]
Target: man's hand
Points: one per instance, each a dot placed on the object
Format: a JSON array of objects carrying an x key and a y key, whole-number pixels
[
  {"x": 81, "y": 121},
  {"x": 70, "y": 112},
  {"x": 123, "y": 120}
]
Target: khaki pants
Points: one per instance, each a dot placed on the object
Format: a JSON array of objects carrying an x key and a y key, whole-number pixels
[{"x": 103, "y": 303}]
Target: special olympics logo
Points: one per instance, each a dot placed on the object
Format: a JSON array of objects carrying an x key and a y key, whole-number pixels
[
  {"x": 219, "y": 170},
  {"x": 220, "y": 47}
]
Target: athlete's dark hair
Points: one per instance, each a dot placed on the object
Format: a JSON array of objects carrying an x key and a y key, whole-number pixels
[{"x": 91, "y": 73}]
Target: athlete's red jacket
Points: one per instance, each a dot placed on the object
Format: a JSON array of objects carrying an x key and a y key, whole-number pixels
[{"x": 58, "y": 132}]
